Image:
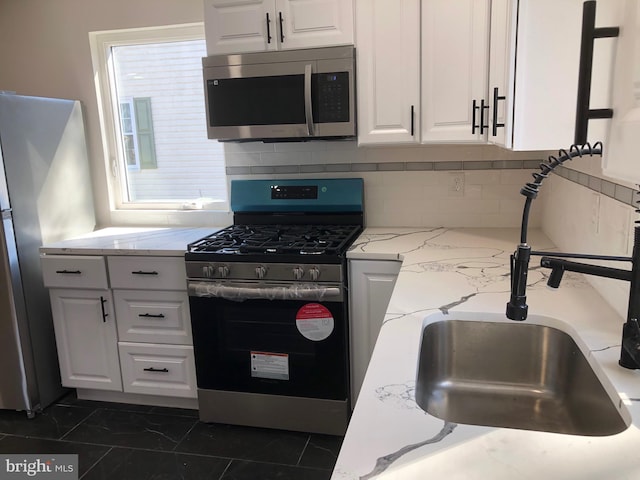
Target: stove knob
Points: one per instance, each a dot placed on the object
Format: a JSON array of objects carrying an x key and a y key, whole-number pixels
[
  {"x": 223, "y": 271},
  {"x": 207, "y": 271},
  {"x": 314, "y": 273},
  {"x": 298, "y": 273},
  {"x": 261, "y": 271}
]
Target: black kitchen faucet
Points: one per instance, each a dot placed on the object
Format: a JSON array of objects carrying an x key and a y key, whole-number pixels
[{"x": 517, "y": 305}]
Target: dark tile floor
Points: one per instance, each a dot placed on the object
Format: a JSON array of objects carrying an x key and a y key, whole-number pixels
[{"x": 142, "y": 442}]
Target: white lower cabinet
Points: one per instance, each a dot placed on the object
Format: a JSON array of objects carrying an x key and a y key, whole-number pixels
[
  {"x": 122, "y": 324},
  {"x": 86, "y": 338},
  {"x": 371, "y": 284}
]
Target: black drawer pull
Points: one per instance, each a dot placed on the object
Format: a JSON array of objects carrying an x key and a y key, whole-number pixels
[
  {"x": 159, "y": 370},
  {"x": 142, "y": 272},
  {"x": 268, "y": 29},
  {"x": 71, "y": 272},
  {"x": 496, "y": 99},
  {"x": 104, "y": 313},
  {"x": 151, "y": 315}
]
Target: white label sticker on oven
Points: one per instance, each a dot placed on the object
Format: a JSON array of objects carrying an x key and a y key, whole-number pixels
[
  {"x": 270, "y": 365},
  {"x": 314, "y": 321}
]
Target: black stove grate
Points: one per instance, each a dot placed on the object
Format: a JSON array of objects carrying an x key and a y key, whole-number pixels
[{"x": 278, "y": 239}]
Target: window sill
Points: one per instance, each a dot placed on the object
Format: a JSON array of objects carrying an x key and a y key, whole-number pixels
[{"x": 173, "y": 218}]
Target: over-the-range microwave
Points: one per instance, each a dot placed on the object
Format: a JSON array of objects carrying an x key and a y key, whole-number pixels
[{"x": 277, "y": 96}]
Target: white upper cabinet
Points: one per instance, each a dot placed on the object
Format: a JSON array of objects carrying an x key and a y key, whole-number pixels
[
  {"x": 237, "y": 26},
  {"x": 537, "y": 60},
  {"x": 488, "y": 71},
  {"x": 455, "y": 59},
  {"x": 388, "y": 80},
  {"x": 501, "y": 67},
  {"x": 621, "y": 160}
]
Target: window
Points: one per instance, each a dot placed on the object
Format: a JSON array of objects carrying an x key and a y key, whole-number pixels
[{"x": 151, "y": 101}]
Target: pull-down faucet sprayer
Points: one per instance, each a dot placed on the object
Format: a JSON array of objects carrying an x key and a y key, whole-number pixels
[{"x": 517, "y": 306}]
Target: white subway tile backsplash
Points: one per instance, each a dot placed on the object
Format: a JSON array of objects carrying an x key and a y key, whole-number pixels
[{"x": 578, "y": 219}]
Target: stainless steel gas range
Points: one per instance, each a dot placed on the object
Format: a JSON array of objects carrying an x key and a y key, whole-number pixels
[{"x": 268, "y": 304}]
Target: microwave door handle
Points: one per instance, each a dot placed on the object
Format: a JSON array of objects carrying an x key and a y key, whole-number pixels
[{"x": 308, "y": 108}]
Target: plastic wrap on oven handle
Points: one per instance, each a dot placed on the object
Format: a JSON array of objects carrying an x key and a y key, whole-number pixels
[{"x": 238, "y": 293}]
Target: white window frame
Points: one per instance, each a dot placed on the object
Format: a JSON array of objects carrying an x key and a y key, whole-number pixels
[{"x": 109, "y": 107}]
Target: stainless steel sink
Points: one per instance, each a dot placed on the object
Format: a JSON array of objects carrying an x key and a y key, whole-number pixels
[{"x": 513, "y": 375}]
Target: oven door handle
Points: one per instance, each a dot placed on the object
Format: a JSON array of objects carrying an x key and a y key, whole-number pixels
[{"x": 243, "y": 292}]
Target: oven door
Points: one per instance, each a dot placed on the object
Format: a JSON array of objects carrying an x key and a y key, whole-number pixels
[{"x": 270, "y": 338}]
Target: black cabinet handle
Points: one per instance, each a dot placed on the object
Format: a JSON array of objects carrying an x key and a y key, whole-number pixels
[
  {"x": 151, "y": 315},
  {"x": 69, "y": 272},
  {"x": 142, "y": 272},
  {"x": 268, "y": 29},
  {"x": 496, "y": 99},
  {"x": 589, "y": 34},
  {"x": 104, "y": 314},
  {"x": 483, "y": 107},
  {"x": 412, "y": 120},
  {"x": 161, "y": 370},
  {"x": 281, "y": 30},
  {"x": 473, "y": 118}
]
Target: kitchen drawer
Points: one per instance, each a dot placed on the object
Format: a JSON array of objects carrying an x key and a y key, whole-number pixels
[
  {"x": 74, "y": 271},
  {"x": 148, "y": 273},
  {"x": 153, "y": 316},
  {"x": 158, "y": 369}
]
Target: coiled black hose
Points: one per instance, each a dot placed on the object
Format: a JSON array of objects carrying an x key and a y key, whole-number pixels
[{"x": 530, "y": 190}]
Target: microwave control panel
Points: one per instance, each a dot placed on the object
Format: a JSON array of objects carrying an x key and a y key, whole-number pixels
[{"x": 332, "y": 97}]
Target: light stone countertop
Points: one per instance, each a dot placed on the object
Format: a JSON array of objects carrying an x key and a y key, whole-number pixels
[
  {"x": 160, "y": 241},
  {"x": 448, "y": 272}
]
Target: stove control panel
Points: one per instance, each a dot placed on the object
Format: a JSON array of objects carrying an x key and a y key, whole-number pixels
[{"x": 264, "y": 271}]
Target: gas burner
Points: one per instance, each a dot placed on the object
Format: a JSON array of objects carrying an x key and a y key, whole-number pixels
[{"x": 278, "y": 240}]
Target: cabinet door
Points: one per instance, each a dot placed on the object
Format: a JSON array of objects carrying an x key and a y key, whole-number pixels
[
  {"x": 546, "y": 76},
  {"x": 237, "y": 26},
  {"x": 502, "y": 60},
  {"x": 388, "y": 59},
  {"x": 371, "y": 286},
  {"x": 86, "y": 338},
  {"x": 621, "y": 160},
  {"x": 314, "y": 23},
  {"x": 455, "y": 62}
]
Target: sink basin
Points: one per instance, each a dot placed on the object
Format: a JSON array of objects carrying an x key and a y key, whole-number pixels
[{"x": 513, "y": 375}]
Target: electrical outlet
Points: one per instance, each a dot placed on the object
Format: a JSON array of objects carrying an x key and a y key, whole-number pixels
[{"x": 456, "y": 184}]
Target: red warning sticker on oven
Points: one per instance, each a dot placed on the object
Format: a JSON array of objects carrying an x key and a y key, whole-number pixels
[
  {"x": 314, "y": 321},
  {"x": 270, "y": 365}
]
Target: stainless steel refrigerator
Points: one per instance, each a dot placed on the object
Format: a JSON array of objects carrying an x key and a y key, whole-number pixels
[{"x": 45, "y": 196}]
